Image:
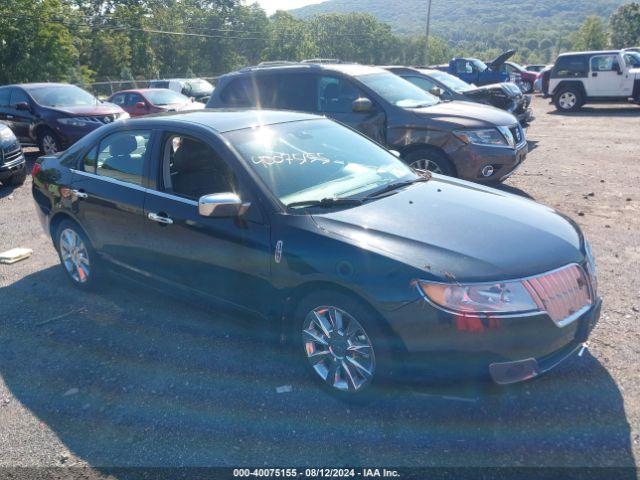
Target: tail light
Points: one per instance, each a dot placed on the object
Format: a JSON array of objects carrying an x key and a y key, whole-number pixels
[{"x": 36, "y": 169}]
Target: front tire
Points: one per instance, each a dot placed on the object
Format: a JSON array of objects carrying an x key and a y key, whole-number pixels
[
  {"x": 19, "y": 179},
  {"x": 341, "y": 342},
  {"x": 431, "y": 160},
  {"x": 568, "y": 99},
  {"x": 48, "y": 142},
  {"x": 78, "y": 258}
]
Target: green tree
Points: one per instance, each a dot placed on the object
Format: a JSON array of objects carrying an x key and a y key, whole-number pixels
[
  {"x": 591, "y": 35},
  {"x": 624, "y": 25},
  {"x": 289, "y": 38}
]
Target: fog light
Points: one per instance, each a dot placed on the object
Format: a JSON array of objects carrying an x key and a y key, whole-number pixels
[{"x": 487, "y": 170}]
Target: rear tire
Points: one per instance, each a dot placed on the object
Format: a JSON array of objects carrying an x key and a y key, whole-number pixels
[
  {"x": 340, "y": 341},
  {"x": 429, "y": 159},
  {"x": 77, "y": 256},
  {"x": 568, "y": 99}
]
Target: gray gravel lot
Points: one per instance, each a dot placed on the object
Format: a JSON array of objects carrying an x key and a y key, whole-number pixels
[{"x": 131, "y": 377}]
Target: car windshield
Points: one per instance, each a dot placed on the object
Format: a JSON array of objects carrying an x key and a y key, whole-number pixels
[
  {"x": 313, "y": 160},
  {"x": 63, "y": 96},
  {"x": 454, "y": 83},
  {"x": 398, "y": 91},
  {"x": 165, "y": 97},
  {"x": 199, "y": 87}
]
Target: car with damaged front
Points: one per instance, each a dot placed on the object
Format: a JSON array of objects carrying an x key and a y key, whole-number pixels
[
  {"x": 371, "y": 271},
  {"x": 505, "y": 96}
]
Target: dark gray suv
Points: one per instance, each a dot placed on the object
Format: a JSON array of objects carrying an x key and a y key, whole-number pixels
[{"x": 468, "y": 140}]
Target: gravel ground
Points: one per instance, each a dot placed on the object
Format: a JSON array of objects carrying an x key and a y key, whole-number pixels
[{"x": 131, "y": 377}]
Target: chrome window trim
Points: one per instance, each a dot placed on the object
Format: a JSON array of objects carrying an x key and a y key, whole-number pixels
[
  {"x": 135, "y": 187},
  {"x": 527, "y": 313}
]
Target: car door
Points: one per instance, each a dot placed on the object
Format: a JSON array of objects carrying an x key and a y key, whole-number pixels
[
  {"x": 605, "y": 76},
  {"x": 120, "y": 99},
  {"x": 109, "y": 191},
  {"x": 335, "y": 96},
  {"x": 627, "y": 79},
  {"x": 136, "y": 105},
  {"x": 18, "y": 118},
  {"x": 466, "y": 71},
  {"x": 5, "y": 97},
  {"x": 226, "y": 259}
]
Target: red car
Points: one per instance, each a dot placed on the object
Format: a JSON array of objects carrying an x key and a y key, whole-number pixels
[
  {"x": 527, "y": 78},
  {"x": 144, "y": 101}
]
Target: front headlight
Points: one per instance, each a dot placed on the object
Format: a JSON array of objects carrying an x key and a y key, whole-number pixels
[
  {"x": 74, "y": 122},
  {"x": 591, "y": 267},
  {"x": 7, "y": 134},
  {"x": 488, "y": 136},
  {"x": 498, "y": 297}
]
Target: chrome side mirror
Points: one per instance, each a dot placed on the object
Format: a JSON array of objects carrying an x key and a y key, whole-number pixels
[
  {"x": 362, "y": 104},
  {"x": 222, "y": 205},
  {"x": 436, "y": 91}
]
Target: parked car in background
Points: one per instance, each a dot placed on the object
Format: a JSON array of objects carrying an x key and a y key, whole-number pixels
[
  {"x": 464, "y": 139},
  {"x": 525, "y": 77},
  {"x": 53, "y": 115},
  {"x": 535, "y": 67},
  {"x": 196, "y": 88},
  {"x": 371, "y": 271},
  {"x": 542, "y": 79},
  {"x": 475, "y": 71},
  {"x": 608, "y": 76},
  {"x": 505, "y": 96},
  {"x": 12, "y": 163},
  {"x": 144, "y": 101}
]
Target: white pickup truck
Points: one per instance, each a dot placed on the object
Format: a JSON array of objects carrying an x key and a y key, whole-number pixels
[{"x": 588, "y": 77}]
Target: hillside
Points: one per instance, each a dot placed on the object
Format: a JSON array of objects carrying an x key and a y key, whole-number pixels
[{"x": 452, "y": 17}]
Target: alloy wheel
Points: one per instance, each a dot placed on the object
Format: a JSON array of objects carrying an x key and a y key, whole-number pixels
[
  {"x": 567, "y": 100},
  {"x": 75, "y": 257},
  {"x": 49, "y": 144},
  {"x": 426, "y": 164},
  {"x": 338, "y": 349}
]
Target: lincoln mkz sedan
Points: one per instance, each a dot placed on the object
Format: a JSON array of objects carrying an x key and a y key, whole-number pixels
[{"x": 372, "y": 270}]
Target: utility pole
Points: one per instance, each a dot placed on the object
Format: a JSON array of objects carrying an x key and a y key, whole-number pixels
[{"x": 426, "y": 53}]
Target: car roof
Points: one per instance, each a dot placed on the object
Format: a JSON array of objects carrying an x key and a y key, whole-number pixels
[
  {"x": 30, "y": 86},
  {"x": 225, "y": 120},
  {"x": 594, "y": 52},
  {"x": 351, "y": 69},
  {"x": 142, "y": 90}
]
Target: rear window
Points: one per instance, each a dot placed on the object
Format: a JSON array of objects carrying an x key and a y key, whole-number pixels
[
  {"x": 571, "y": 67},
  {"x": 4, "y": 97}
]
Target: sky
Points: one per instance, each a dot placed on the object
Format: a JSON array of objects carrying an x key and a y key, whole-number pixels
[{"x": 272, "y": 5}]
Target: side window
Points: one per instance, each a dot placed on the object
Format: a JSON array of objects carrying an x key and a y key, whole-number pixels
[
  {"x": 191, "y": 168},
  {"x": 121, "y": 156},
  {"x": 239, "y": 93},
  {"x": 296, "y": 92},
  {"x": 463, "y": 66},
  {"x": 571, "y": 67},
  {"x": 605, "y": 63},
  {"x": 133, "y": 98},
  {"x": 18, "y": 96},
  {"x": 336, "y": 95},
  {"x": 5, "y": 93},
  {"x": 118, "y": 99},
  {"x": 421, "y": 82},
  {"x": 90, "y": 160}
]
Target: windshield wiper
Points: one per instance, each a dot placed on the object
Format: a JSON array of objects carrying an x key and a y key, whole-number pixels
[
  {"x": 394, "y": 186},
  {"x": 326, "y": 202}
]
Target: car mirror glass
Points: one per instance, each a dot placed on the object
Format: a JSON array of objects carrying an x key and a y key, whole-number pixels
[{"x": 362, "y": 104}]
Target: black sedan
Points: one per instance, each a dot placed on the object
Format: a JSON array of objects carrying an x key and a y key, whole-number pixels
[
  {"x": 326, "y": 238},
  {"x": 505, "y": 96}
]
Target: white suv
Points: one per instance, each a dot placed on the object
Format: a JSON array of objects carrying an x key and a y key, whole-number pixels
[{"x": 587, "y": 77}]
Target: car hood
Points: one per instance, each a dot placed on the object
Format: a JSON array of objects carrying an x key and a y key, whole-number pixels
[
  {"x": 89, "y": 111},
  {"x": 509, "y": 89},
  {"x": 171, "y": 107},
  {"x": 454, "y": 229},
  {"x": 500, "y": 59},
  {"x": 467, "y": 114}
]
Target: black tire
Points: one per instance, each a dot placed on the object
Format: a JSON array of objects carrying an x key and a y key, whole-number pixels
[
  {"x": 379, "y": 385},
  {"x": 91, "y": 275},
  {"x": 417, "y": 159},
  {"x": 48, "y": 142},
  {"x": 19, "y": 178},
  {"x": 568, "y": 99}
]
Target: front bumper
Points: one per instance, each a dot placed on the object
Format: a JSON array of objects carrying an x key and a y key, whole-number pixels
[
  {"x": 15, "y": 167},
  {"x": 470, "y": 159},
  {"x": 439, "y": 346}
]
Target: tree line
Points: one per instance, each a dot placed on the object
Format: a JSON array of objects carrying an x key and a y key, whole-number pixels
[{"x": 84, "y": 41}]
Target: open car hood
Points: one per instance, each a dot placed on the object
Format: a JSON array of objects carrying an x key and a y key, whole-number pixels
[{"x": 500, "y": 59}]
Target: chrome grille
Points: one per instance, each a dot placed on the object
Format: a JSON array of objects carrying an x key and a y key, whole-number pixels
[
  {"x": 10, "y": 153},
  {"x": 517, "y": 133},
  {"x": 563, "y": 293}
]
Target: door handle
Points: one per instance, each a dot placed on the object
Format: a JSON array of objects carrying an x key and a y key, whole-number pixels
[
  {"x": 80, "y": 193},
  {"x": 9, "y": 117},
  {"x": 159, "y": 218}
]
